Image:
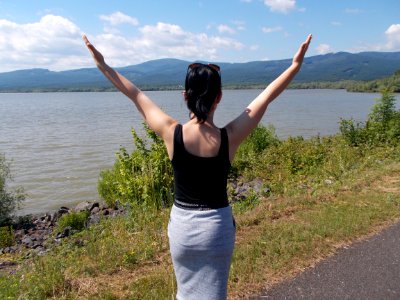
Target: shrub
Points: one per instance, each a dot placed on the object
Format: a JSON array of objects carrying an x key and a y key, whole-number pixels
[
  {"x": 75, "y": 220},
  {"x": 9, "y": 200},
  {"x": 6, "y": 236},
  {"x": 382, "y": 125},
  {"x": 353, "y": 133},
  {"x": 143, "y": 177},
  {"x": 259, "y": 139}
]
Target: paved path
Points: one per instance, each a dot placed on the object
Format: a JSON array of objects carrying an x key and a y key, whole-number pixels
[{"x": 369, "y": 269}]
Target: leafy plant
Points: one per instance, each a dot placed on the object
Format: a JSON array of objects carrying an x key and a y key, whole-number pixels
[
  {"x": 6, "y": 236},
  {"x": 259, "y": 139},
  {"x": 143, "y": 177},
  {"x": 75, "y": 220},
  {"x": 9, "y": 199},
  {"x": 382, "y": 126}
]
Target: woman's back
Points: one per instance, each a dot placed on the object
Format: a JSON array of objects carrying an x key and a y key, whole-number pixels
[{"x": 201, "y": 140}]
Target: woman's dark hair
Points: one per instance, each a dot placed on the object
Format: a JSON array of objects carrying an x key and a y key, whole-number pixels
[{"x": 202, "y": 87}]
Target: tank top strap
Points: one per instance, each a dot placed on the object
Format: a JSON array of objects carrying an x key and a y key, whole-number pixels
[
  {"x": 224, "y": 148},
  {"x": 178, "y": 141}
]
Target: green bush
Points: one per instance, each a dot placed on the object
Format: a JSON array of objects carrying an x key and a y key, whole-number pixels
[
  {"x": 354, "y": 133},
  {"x": 382, "y": 125},
  {"x": 75, "y": 220},
  {"x": 6, "y": 236},
  {"x": 248, "y": 152},
  {"x": 143, "y": 177},
  {"x": 9, "y": 200}
]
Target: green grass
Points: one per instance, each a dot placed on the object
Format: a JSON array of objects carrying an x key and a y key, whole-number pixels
[{"x": 127, "y": 257}]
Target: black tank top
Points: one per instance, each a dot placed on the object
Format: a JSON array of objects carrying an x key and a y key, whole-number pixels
[{"x": 200, "y": 182}]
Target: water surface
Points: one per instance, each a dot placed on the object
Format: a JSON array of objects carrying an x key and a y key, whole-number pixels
[{"x": 59, "y": 142}]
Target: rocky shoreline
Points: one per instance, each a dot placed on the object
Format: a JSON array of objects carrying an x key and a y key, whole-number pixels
[{"x": 36, "y": 232}]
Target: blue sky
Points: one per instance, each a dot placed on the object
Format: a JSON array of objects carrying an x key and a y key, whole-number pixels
[{"x": 47, "y": 33}]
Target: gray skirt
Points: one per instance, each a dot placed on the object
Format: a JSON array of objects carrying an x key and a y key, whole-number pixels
[{"x": 201, "y": 244}]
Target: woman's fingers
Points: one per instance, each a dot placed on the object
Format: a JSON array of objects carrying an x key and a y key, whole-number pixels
[{"x": 307, "y": 43}]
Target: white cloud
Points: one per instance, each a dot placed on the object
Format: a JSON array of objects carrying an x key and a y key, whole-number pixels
[
  {"x": 55, "y": 43},
  {"x": 225, "y": 29},
  {"x": 161, "y": 41},
  {"x": 271, "y": 29},
  {"x": 52, "y": 42},
  {"x": 323, "y": 49},
  {"x": 392, "y": 42},
  {"x": 393, "y": 37},
  {"x": 119, "y": 18},
  {"x": 283, "y": 6}
]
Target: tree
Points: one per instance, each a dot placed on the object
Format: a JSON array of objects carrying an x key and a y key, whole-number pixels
[
  {"x": 9, "y": 199},
  {"x": 384, "y": 108}
]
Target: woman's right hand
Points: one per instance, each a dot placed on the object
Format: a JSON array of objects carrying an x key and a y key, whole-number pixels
[
  {"x": 97, "y": 56},
  {"x": 299, "y": 56}
]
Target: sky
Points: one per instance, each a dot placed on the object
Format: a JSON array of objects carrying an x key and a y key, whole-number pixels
[{"x": 47, "y": 33}]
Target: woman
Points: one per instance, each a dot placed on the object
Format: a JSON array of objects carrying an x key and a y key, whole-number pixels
[{"x": 201, "y": 230}]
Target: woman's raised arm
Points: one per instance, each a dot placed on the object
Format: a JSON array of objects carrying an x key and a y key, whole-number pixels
[
  {"x": 241, "y": 127},
  {"x": 159, "y": 121}
]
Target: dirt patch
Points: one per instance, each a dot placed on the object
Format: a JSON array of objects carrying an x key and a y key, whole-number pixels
[{"x": 388, "y": 184}]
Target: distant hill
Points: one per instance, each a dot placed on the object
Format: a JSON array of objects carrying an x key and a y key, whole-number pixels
[{"x": 170, "y": 73}]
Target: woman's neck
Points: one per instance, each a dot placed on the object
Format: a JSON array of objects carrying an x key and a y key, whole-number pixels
[{"x": 208, "y": 122}]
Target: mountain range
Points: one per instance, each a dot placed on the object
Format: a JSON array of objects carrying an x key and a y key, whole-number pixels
[{"x": 170, "y": 73}]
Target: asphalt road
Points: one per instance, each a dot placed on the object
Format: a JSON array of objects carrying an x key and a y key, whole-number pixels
[{"x": 369, "y": 269}]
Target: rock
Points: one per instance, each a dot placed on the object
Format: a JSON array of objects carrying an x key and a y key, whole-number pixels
[
  {"x": 257, "y": 185},
  {"x": 83, "y": 206},
  {"x": 4, "y": 264},
  {"x": 93, "y": 219},
  {"x": 48, "y": 218},
  {"x": 18, "y": 234},
  {"x": 94, "y": 206},
  {"x": 95, "y": 210},
  {"x": 27, "y": 241},
  {"x": 10, "y": 250},
  {"x": 54, "y": 217},
  {"x": 41, "y": 251},
  {"x": 328, "y": 181},
  {"x": 37, "y": 245},
  {"x": 62, "y": 210},
  {"x": 67, "y": 231}
]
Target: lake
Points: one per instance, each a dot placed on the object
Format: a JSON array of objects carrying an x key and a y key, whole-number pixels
[{"x": 59, "y": 142}]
